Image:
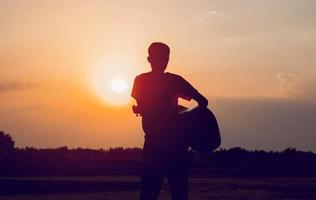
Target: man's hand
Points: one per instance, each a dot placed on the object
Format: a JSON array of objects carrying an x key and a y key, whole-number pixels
[
  {"x": 136, "y": 110},
  {"x": 202, "y": 101}
]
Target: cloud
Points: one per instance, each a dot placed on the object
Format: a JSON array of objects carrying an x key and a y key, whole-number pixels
[
  {"x": 283, "y": 18},
  {"x": 206, "y": 14},
  {"x": 17, "y": 86},
  {"x": 211, "y": 12},
  {"x": 302, "y": 86},
  {"x": 36, "y": 107},
  {"x": 286, "y": 82},
  {"x": 305, "y": 87}
]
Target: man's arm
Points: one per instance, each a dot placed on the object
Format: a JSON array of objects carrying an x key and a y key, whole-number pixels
[
  {"x": 135, "y": 94},
  {"x": 189, "y": 92},
  {"x": 137, "y": 109},
  {"x": 202, "y": 101}
]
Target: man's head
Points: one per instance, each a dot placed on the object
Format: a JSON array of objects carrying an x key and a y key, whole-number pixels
[{"x": 158, "y": 56}]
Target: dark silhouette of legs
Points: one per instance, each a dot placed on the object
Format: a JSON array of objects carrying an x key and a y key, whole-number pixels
[
  {"x": 152, "y": 170},
  {"x": 163, "y": 159},
  {"x": 153, "y": 176},
  {"x": 177, "y": 176},
  {"x": 151, "y": 180}
]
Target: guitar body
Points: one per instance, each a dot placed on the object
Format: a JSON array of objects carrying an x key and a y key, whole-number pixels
[{"x": 201, "y": 129}]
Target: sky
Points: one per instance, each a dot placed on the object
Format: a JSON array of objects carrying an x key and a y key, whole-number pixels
[{"x": 254, "y": 60}]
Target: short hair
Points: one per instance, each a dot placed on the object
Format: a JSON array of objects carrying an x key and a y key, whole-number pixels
[{"x": 158, "y": 49}]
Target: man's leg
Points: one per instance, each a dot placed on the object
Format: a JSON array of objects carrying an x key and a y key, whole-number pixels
[
  {"x": 177, "y": 174},
  {"x": 151, "y": 183},
  {"x": 152, "y": 174}
]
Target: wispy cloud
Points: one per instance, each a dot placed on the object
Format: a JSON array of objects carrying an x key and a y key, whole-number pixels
[
  {"x": 206, "y": 14},
  {"x": 17, "y": 86},
  {"x": 286, "y": 82},
  {"x": 305, "y": 87},
  {"x": 30, "y": 107},
  {"x": 211, "y": 12},
  {"x": 302, "y": 85}
]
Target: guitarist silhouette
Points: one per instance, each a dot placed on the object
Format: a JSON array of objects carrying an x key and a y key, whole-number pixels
[{"x": 165, "y": 153}]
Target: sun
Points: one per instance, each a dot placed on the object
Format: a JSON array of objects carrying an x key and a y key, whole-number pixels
[
  {"x": 114, "y": 91},
  {"x": 118, "y": 86},
  {"x": 112, "y": 80}
]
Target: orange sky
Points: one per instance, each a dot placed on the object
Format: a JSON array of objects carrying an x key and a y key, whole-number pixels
[{"x": 245, "y": 55}]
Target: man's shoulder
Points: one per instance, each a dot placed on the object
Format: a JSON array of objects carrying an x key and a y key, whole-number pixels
[
  {"x": 143, "y": 75},
  {"x": 170, "y": 76},
  {"x": 173, "y": 76}
]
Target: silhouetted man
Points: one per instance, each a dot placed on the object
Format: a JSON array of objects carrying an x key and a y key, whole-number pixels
[{"x": 165, "y": 152}]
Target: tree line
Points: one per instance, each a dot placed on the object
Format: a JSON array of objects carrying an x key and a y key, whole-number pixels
[{"x": 31, "y": 161}]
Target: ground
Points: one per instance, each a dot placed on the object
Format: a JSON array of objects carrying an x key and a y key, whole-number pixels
[{"x": 127, "y": 187}]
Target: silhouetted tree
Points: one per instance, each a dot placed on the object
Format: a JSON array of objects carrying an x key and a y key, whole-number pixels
[{"x": 6, "y": 146}]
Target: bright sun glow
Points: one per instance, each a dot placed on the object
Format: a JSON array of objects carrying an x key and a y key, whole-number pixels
[
  {"x": 118, "y": 86},
  {"x": 112, "y": 79}
]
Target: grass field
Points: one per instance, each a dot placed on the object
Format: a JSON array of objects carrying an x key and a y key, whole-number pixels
[{"x": 127, "y": 187}]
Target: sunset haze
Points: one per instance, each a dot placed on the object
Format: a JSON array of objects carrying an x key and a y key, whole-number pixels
[{"x": 67, "y": 67}]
